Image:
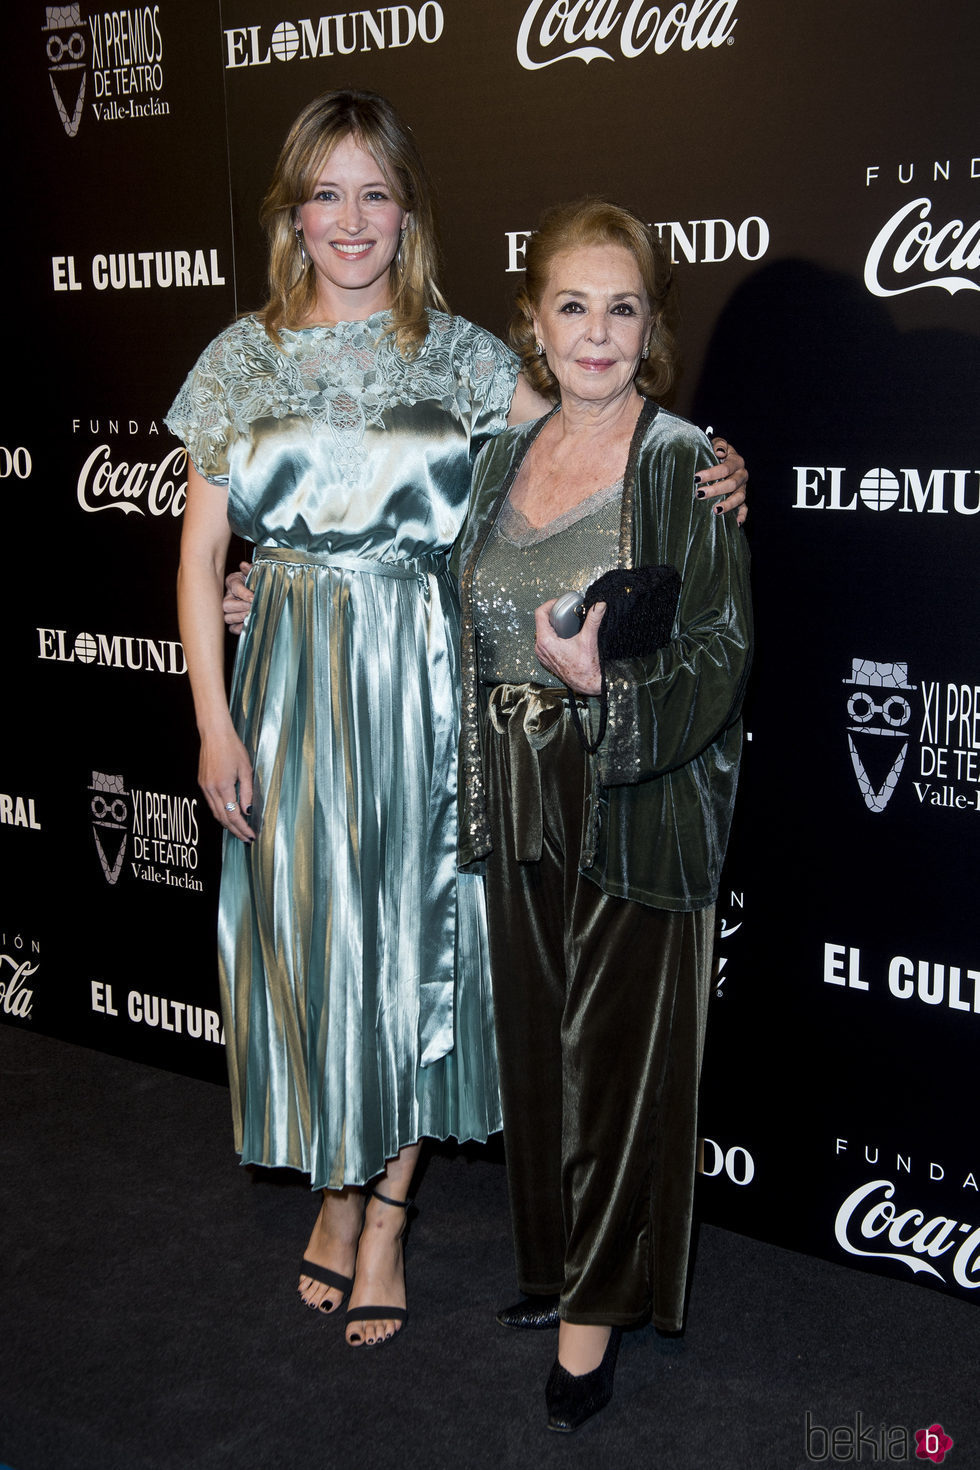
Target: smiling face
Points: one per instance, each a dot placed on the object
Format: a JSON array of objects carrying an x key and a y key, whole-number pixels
[
  {"x": 351, "y": 229},
  {"x": 594, "y": 320}
]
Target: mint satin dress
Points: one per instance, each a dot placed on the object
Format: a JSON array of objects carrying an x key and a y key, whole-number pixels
[{"x": 352, "y": 957}]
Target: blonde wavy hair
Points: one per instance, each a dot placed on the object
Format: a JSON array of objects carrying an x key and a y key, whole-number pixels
[
  {"x": 595, "y": 221},
  {"x": 376, "y": 127}
]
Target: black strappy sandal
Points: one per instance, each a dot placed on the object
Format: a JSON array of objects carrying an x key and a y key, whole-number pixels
[
  {"x": 323, "y": 1274},
  {"x": 382, "y": 1314}
]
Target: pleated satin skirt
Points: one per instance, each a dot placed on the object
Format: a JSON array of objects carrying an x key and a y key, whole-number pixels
[{"x": 352, "y": 957}]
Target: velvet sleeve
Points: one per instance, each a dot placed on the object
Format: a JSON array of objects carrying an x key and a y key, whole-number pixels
[{"x": 664, "y": 710}]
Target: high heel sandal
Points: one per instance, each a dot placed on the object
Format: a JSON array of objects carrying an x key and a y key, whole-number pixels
[
  {"x": 382, "y": 1314},
  {"x": 323, "y": 1274},
  {"x": 572, "y": 1398}
]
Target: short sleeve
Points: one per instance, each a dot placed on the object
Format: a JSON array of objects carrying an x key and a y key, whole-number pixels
[
  {"x": 199, "y": 415},
  {"x": 488, "y": 370}
]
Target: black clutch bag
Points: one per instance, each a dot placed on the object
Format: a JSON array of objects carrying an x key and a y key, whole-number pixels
[{"x": 641, "y": 603}]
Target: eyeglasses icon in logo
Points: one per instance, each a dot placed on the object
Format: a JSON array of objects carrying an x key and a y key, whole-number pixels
[
  {"x": 110, "y": 822},
  {"x": 65, "y": 49},
  {"x": 878, "y": 736}
]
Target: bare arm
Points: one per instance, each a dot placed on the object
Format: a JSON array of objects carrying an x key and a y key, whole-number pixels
[
  {"x": 224, "y": 771},
  {"x": 526, "y": 403}
]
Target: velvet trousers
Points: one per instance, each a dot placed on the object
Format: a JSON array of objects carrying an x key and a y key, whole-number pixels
[{"x": 600, "y": 1006}]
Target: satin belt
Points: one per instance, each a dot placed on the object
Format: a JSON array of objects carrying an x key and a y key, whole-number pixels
[
  {"x": 437, "y": 993},
  {"x": 418, "y": 567},
  {"x": 529, "y": 717}
]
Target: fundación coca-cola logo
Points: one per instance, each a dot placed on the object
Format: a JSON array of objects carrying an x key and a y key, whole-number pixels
[
  {"x": 113, "y": 477},
  {"x": 151, "y": 836},
  {"x": 936, "y": 722},
  {"x": 594, "y": 30},
  {"x": 914, "y": 244},
  {"x": 111, "y": 60},
  {"x": 925, "y": 242},
  {"x": 135, "y": 487},
  {"x": 870, "y": 1224},
  {"x": 19, "y": 964},
  {"x": 386, "y": 28},
  {"x": 729, "y": 924}
]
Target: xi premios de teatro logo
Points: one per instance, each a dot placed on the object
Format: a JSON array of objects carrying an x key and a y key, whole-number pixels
[
  {"x": 151, "y": 835},
  {"x": 111, "y": 59},
  {"x": 878, "y": 733},
  {"x": 925, "y": 734},
  {"x": 66, "y": 48}
]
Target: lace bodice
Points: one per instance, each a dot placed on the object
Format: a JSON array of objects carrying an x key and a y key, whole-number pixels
[{"x": 334, "y": 441}]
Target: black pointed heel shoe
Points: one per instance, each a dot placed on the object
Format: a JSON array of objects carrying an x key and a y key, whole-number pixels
[
  {"x": 572, "y": 1398},
  {"x": 534, "y": 1313}
]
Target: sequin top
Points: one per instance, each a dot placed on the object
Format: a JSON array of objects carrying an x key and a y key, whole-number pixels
[
  {"x": 523, "y": 566},
  {"x": 666, "y": 772}
]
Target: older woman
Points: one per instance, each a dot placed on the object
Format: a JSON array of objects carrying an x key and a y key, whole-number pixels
[
  {"x": 336, "y": 430},
  {"x": 602, "y": 871}
]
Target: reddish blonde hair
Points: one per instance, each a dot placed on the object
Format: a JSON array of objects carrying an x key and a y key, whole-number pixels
[{"x": 595, "y": 221}]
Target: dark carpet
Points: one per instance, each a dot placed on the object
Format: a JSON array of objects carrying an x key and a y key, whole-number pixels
[{"x": 150, "y": 1319}]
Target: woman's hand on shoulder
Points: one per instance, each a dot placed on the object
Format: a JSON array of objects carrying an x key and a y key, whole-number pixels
[
  {"x": 575, "y": 661},
  {"x": 224, "y": 774},
  {"x": 237, "y": 599},
  {"x": 725, "y": 482}
]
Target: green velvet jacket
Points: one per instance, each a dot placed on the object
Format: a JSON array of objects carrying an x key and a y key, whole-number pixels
[{"x": 666, "y": 772}]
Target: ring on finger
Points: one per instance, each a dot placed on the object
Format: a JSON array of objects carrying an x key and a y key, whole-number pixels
[{"x": 231, "y": 806}]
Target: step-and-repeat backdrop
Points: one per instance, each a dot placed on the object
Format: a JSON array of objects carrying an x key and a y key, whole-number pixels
[{"x": 815, "y": 171}]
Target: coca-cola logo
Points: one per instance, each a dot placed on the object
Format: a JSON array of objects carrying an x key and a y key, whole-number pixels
[
  {"x": 911, "y": 253},
  {"x": 568, "y": 28},
  {"x": 161, "y": 487},
  {"x": 16, "y": 998},
  {"x": 870, "y": 1214}
]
